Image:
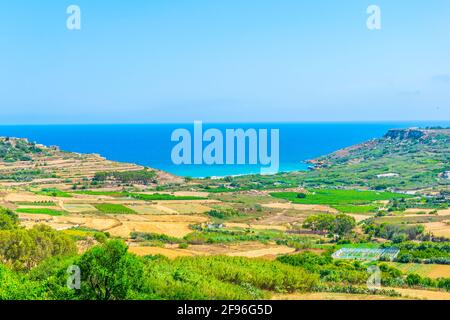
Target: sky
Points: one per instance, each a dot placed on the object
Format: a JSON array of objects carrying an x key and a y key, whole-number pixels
[{"x": 165, "y": 61}]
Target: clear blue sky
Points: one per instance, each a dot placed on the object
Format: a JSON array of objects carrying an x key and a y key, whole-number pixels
[{"x": 223, "y": 60}]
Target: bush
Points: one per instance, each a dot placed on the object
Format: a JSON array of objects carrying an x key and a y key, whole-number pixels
[
  {"x": 23, "y": 249},
  {"x": 109, "y": 272},
  {"x": 223, "y": 213}
]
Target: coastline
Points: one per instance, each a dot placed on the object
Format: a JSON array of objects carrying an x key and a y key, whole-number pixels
[{"x": 150, "y": 145}]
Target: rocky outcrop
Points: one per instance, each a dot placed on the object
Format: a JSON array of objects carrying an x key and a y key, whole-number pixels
[
  {"x": 416, "y": 134},
  {"x": 403, "y": 134}
]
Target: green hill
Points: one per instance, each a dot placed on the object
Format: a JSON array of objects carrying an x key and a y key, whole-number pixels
[
  {"x": 12, "y": 150},
  {"x": 401, "y": 159}
]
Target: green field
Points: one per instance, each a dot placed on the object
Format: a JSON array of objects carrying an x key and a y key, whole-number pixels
[
  {"x": 41, "y": 211},
  {"x": 137, "y": 196},
  {"x": 53, "y": 192},
  {"x": 356, "y": 208},
  {"x": 100, "y": 193},
  {"x": 338, "y": 197},
  {"x": 113, "y": 208},
  {"x": 36, "y": 204}
]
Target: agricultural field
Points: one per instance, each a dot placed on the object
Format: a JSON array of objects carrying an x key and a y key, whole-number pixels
[
  {"x": 112, "y": 208},
  {"x": 282, "y": 237},
  {"x": 47, "y": 211},
  {"x": 439, "y": 229},
  {"x": 347, "y": 201},
  {"x": 433, "y": 271}
]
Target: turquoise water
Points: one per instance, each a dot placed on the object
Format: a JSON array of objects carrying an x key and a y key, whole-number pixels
[{"x": 151, "y": 144}]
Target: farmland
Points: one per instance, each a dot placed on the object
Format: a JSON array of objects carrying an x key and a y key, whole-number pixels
[{"x": 277, "y": 235}]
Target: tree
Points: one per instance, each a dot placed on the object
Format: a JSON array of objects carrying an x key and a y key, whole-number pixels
[
  {"x": 340, "y": 224},
  {"x": 6, "y": 223},
  {"x": 109, "y": 272},
  {"x": 15, "y": 286},
  {"x": 23, "y": 249},
  {"x": 343, "y": 224},
  {"x": 319, "y": 222},
  {"x": 8, "y": 219}
]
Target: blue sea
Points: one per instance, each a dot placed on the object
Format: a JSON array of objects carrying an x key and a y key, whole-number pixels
[{"x": 150, "y": 144}]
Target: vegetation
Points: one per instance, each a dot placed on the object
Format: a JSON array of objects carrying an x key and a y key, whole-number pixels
[
  {"x": 26, "y": 175},
  {"x": 53, "y": 192},
  {"x": 395, "y": 232},
  {"x": 368, "y": 180},
  {"x": 113, "y": 208},
  {"x": 109, "y": 272},
  {"x": 23, "y": 249},
  {"x": 12, "y": 150},
  {"x": 50, "y": 212},
  {"x": 138, "y": 196},
  {"x": 340, "y": 274},
  {"x": 340, "y": 224},
  {"x": 143, "y": 176},
  {"x": 425, "y": 252},
  {"x": 36, "y": 203},
  {"x": 224, "y": 213},
  {"x": 338, "y": 197}
]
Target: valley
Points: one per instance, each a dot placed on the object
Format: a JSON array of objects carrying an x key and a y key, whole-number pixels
[{"x": 391, "y": 192}]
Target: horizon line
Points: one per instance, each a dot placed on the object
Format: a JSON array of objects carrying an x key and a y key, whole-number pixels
[{"x": 225, "y": 122}]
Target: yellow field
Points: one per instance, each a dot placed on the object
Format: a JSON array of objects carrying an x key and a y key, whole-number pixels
[
  {"x": 171, "y": 225},
  {"x": 426, "y": 270},
  {"x": 248, "y": 249},
  {"x": 152, "y": 209},
  {"x": 331, "y": 296},
  {"x": 422, "y": 294},
  {"x": 168, "y": 252},
  {"x": 438, "y": 229},
  {"x": 406, "y": 294},
  {"x": 188, "y": 208}
]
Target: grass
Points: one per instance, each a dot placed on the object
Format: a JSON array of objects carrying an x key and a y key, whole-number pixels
[
  {"x": 36, "y": 203},
  {"x": 138, "y": 196},
  {"x": 113, "y": 208},
  {"x": 356, "y": 209},
  {"x": 53, "y": 192},
  {"x": 100, "y": 193},
  {"x": 338, "y": 197},
  {"x": 50, "y": 212},
  {"x": 78, "y": 234},
  {"x": 236, "y": 235}
]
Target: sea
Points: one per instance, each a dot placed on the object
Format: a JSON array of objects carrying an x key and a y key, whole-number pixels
[{"x": 151, "y": 145}]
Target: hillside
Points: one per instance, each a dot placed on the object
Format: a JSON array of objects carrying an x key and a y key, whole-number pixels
[
  {"x": 273, "y": 233},
  {"x": 25, "y": 163},
  {"x": 402, "y": 159}
]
